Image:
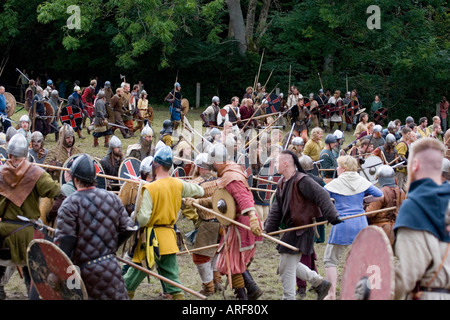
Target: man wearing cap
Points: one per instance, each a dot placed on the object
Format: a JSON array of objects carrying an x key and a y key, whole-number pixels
[
  {"x": 174, "y": 99},
  {"x": 300, "y": 119},
  {"x": 101, "y": 120},
  {"x": 328, "y": 160},
  {"x": 88, "y": 99},
  {"x": 161, "y": 201},
  {"x": 387, "y": 152},
  {"x": 24, "y": 123},
  {"x": 76, "y": 100},
  {"x": 116, "y": 105},
  {"x": 297, "y": 145},
  {"x": 143, "y": 148},
  {"x": 237, "y": 245},
  {"x": 40, "y": 121},
  {"x": 376, "y": 137},
  {"x": 393, "y": 196},
  {"x": 48, "y": 90},
  {"x": 21, "y": 186},
  {"x": 92, "y": 223},
  {"x": 54, "y": 100}
]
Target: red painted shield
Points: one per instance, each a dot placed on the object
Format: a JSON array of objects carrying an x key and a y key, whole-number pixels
[
  {"x": 129, "y": 169},
  {"x": 100, "y": 181},
  {"x": 369, "y": 266},
  {"x": 72, "y": 116},
  {"x": 52, "y": 272},
  {"x": 380, "y": 114},
  {"x": 274, "y": 103},
  {"x": 352, "y": 108},
  {"x": 178, "y": 172},
  {"x": 327, "y": 110},
  {"x": 244, "y": 162},
  {"x": 340, "y": 108},
  {"x": 270, "y": 173}
]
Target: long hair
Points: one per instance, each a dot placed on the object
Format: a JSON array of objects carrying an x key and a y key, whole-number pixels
[{"x": 295, "y": 159}]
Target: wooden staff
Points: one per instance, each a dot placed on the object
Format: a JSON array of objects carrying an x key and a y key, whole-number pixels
[
  {"x": 245, "y": 227},
  {"x": 259, "y": 69},
  {"x": 260, "y": 117},
  {"x": 393, "y": 161},
  {"x": 98, "y": 174},
  {"x": 156, "y": 275},
  {"x": 268, "y": 181},
  {"x": 325, "y": 222},
  {"x": 190, "y": 143},
  {"x": 260, "y": 189},
  {"x": 270, "y": 75},
  {"x": 198, "y": 249},
  {"x": 182, "y": 159},
  {"x": 289, "y": 87}
]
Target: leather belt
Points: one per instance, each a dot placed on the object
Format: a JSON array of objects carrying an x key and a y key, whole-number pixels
[{"x": 98, "y": 260}]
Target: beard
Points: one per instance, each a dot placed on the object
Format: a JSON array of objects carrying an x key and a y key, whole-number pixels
[{"x": 118, "y": 154}]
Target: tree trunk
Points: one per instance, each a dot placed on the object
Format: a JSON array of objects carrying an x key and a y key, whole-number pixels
[
  {"x": 263, "y": 18},
  {"x": 237, "y": 24},
  {"x": 250, "y": 26}
]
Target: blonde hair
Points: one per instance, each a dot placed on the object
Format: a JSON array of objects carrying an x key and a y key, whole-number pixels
[
  {"x": 348, "y": 163},
  {"x": 315, "y": 133}
]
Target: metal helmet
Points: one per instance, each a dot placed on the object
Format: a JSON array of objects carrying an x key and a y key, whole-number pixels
[
  {"x": 390, "y": 138},
  {"x": 298, "y": 141},
  {"x": 409, "y": 119},
  {"x": 2, "y": 138},
  {"x": 107, "y": 84},
  {"x": 54, "y": 94},
  {"x": 330, "y": 138},
  {"x": 386, "y": 176},
  {"x": 177, "y": 85},
  {"x": 306, "y": 162},
  {"x": 67, "y": 130},
  {"x": 24, "y": 118},
  {"x": 159, "y": 145},
  {"x": 83, "y": 168},
  {"x": 37, "y": 136},
  {"x": 49, "y": 82},
  {"x": 143, "y": 92},
  {"x": 217, "y": 154},
  {"x": 202, "y": 161},
  {"x": 300, "y": 96},
  {"x": 147, "y": 131},
  {"x": 214, "y": 132},
  {"x": 115, "y": 142},
  {"x": 338, "y": 134},
  {"x": 377, "y": 128},
  {"x": 167, "y": 127},
  {"x": 146, "y": 165},
  {"x": 391, "y": 125},
  {"x": 215, "y": 99},
  {"x": 10, "y": 133},
  {"x": 101, "y": 94},
  {"x": 18, "y": 146},
  {"x": 164, "y": 157},
  {"x": 281, "y": 95}
]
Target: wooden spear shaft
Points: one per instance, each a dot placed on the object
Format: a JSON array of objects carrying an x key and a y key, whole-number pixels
[
  {"x": 325, "y": 222},
  {"x": 198, "y": 249},
  {"x": 154, "y": 274},
  {"x": 245, "y": 227}
]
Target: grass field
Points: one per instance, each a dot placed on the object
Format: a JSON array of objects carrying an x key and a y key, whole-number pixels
[{"x": 263, "y": 268}]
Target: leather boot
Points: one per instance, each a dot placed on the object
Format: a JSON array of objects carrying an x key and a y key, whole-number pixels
[
  {"x": 56, "y": 136},
  {"x": 178, "y": 296},
  {"x": 80, "y": 135},
  {"x": 217, "y": 281},
  {"x": 253, "y": 291},
  {"x": 131, "y": 295},
  {"x": 106, "y": 145},
  {"x": 240, "y": 294},
  {"x": 322, "y": 289},
  {"x": 207, "y": 288},
  {"x": 95, "y": 142}
]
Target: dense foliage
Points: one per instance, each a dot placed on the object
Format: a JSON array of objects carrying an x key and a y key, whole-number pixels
[{"x": 220, "y": 43}]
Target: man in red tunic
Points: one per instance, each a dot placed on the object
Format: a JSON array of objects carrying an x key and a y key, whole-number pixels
[{"x": 238, "y": 245}]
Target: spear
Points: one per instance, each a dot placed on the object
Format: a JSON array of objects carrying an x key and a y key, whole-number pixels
[{"x": 325, "y": 222}]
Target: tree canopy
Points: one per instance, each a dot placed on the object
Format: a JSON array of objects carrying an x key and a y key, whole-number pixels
[{"x": 220, "y": 44}]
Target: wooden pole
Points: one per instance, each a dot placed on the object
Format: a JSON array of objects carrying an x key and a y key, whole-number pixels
[
  {"x": 198, "y": 249},
  {"x": 245, "y": 227},
  {"x": 156, "y": 275},
  {"x": 325, "y": 222},
  {"x": 268, "y": 181}
]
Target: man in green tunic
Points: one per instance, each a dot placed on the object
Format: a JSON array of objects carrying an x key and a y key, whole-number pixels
[{"x": 21, "y": 186}]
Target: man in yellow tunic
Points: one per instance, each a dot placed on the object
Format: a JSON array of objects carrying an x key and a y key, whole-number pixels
[{"x": 161, "y": 202}]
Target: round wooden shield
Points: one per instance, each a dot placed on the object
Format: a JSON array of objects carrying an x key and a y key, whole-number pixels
[
  {"x": 222, "y": 116},
  {"x": 244, "y": 162},
  {"x": 129, "y": 169},
  {"x": 306, "y": 102},
  {"x": 178, "y": 172},
  {"x": 274, "y": 103},
  {"x": 71, "y": 115},
  {"x": 369, "y": 266},
  {"x": 11, "y": 104},
  {"x": 53, "y": 273},
  {"x": 340, "y": 108},
  {"x": 128, "y": 192},
  {"x": 380, "y": 115},
  {"x": 223, "y": 203},
  {"x": 185, "y": 106},
  {"x": 101, "y": 182},
  {"x": 369, "y": 168},
  {"x": 270, "y": 176},
  {"x": 352, "y": 108},
  {"x": 49, "y": 112},
  {"x": 3, "y": 155},
  {"x": 327, "y": 110}
]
